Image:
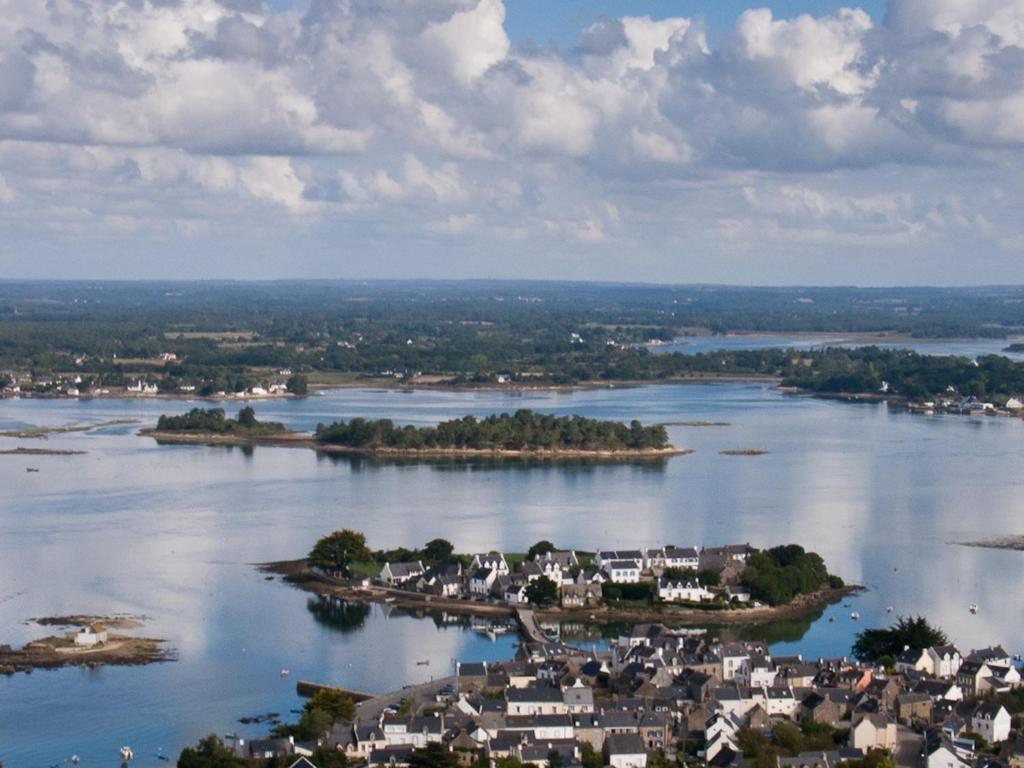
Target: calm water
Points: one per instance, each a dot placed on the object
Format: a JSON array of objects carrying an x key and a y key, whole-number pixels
[
  {"x": 171, "y": 533},
  {"x": 964, "y": 347}
]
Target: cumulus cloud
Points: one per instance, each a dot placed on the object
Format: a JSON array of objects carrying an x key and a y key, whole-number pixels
[{"x": 199, "y": 116}]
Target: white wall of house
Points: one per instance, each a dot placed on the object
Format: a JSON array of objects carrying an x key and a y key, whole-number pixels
[{"x": 992, "y": 729}]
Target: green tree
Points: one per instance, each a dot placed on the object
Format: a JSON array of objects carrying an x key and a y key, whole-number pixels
[
  {"x": 542, "y": 547},
  {"x": 297, "y": 384},
  {"x": 555, "y": 759},
  {"x": 433, "y": 755},
  {"x": 335, "y": 704},
  {"x": 247, "y": 417},
  {"x": 873, "y": 644},
  {"x": 542, "y": 591},
  {"x": 438, "y": 551},
  {"x": 210, "y": 752},
  {"x": 589, "y": 757},
  {"x": 339, "y": 550}
]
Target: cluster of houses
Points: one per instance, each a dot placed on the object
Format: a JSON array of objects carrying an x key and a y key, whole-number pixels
[
  {"x": 972, "y": 406},
  {"x": 579, "y": 579},
  {"x": 683, "y": 695},
  {"x": 70, "y": 385}
]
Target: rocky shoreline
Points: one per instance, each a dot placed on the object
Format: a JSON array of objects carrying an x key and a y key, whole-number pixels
[{"x": 57, "y": 651}]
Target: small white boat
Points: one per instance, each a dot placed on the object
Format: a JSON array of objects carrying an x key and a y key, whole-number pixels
[
  {"x": 75, "y": 759},
  {"x": 889, "y": 609},
  {"x": 974, "y": 608},
  {"x": 285, "y": 672},
  {"x": 127, "y": 754},
  {"x": 855, "y": 616}
]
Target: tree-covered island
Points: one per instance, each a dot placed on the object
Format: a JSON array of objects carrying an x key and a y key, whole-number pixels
[
  {"x": 523, "y": 433},
  {"x": 214, "y": 421},
  {"x": 525, "y": 430}
]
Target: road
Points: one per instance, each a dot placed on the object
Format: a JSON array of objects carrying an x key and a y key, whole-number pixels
[{"x": 369, "y": 711}]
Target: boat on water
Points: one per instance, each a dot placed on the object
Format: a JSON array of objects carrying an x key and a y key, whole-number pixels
[
  {"x": 285, "y": 672},
  {"x": 127, "y": 754},
  {"x": 974, "y": 608},
  {"x": 889, "y": 609},
  {"x": 855, "y": 616},
  {"x": 31, "y": 469},
  {"x": 423, "y": 663}
]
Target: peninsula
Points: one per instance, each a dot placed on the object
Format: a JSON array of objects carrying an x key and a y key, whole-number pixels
[
  {"x": 522, "y": 434},
  {"x": 682, "y": 586}
]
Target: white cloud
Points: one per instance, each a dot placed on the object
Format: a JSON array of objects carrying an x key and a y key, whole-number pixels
[
  {"x": 471, "y": 41},
  {"x": 416, "y": 120}
]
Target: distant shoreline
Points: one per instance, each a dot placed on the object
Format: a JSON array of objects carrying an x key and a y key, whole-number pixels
[{"x": 305, "y": 440}]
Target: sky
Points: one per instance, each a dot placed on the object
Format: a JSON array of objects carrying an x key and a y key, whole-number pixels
[{"x": 787, "y": 142}]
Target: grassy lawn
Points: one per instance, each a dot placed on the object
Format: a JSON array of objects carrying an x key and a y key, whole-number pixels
[{"x": 368, "y": 569}]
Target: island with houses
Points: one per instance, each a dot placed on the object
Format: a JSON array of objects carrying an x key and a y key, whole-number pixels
[{"x": 734, "y": 583}]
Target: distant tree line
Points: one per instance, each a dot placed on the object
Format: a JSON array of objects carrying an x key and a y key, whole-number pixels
[
  {"x": 226, "y": 337},
  {"x": 214, "y": 421},
  {"x": 523, "y": 430}
]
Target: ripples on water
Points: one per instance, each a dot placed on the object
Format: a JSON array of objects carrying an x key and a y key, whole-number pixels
[{"x": 172, "y": 533}]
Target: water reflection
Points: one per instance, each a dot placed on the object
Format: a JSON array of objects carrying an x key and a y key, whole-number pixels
[
  {"x": 341, "y": 615},
  {"x": 170, "y": 532},
  {"x": 360, "y": 462}
]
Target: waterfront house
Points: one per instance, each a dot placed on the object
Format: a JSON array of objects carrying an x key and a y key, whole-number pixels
[
  {"x": 581, "y": 595},
  {"x": 738, "y": 594},
  {"x": 267, "y": 749},
  {"x": 480, "y": 582},
  {"x": 441, "y": 580},
  {"x": 991, "y": 721},
  {"x": 681, "y": 557},
  {"x": 689, "y": 590},
  {"x": 90, "y": 636},
  {"x": 396, "y": 574},
  {"x": 514, "y": 593},
  {"x": 621, "y": 571},
  {"x": 608, "y": 555},
  {"x": 493, "y": 560}
]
